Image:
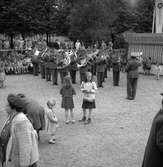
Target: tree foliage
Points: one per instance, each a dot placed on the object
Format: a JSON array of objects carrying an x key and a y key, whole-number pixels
[
  {"x": 87, "y": 20},
  {"x": 144, "y": 16}
]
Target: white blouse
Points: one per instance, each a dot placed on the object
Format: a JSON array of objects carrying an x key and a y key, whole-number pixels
[{"x": 89, "y": 90}]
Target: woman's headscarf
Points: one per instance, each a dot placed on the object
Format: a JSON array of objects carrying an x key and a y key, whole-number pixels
[{"x": 16, "y": 102}]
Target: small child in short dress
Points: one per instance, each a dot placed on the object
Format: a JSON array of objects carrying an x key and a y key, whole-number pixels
[
  {"x": 52, "y": 121},
  {"x": 89, "y": 89},
  {"x": 158, "y": 71},
  {"x": 67, "y": 92},
  {"x": 2, "y": 77}
]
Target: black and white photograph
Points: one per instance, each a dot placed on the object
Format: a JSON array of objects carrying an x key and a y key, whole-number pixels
[{"x": 81, "y": 83}]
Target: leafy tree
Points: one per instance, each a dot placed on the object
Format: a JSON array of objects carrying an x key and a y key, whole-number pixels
[
  {"x": 90, "y": 20},
  {"x": 144, "y": 16},
  {"x": 11, "y": 22}
]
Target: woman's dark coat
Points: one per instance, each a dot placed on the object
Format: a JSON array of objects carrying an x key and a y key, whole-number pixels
[{"x": 153, "y": 156}]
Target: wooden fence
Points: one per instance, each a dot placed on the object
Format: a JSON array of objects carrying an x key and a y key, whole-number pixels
[{"x": 151, "y": 45}]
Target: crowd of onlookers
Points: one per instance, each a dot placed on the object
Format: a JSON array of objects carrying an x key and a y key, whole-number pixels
[{"x": 14, "y": 62}]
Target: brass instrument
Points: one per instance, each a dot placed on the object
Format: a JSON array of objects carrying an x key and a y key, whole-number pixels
[
  {"x": 85, "y": 56},
  {"x": 102, "y": 55},
  {"x": 63, "y": 59}
]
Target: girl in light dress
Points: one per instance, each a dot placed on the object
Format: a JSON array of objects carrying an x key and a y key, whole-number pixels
[
  {"x": 51, "y": 120},
  {"x": 89, "y": 89}
]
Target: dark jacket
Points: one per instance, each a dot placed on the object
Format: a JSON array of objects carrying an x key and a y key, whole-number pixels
[
  {"x": 35, "y": 113},
  {"x": 153, "y": 156},
  {"x": 116, "y": 66},
  {"x": 100, "y": 66},
  {"x": 132, "y": 68},
  {"x": 73, "y": 66},
  {"x": 83, "y": 69},
  {"x": 51, "y": 65}
]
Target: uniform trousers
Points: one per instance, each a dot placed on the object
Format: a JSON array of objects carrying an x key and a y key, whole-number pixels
[
  {"x": 35, "y": 69},
  {"x": 62, "y": 75},
  {"x": 100, "y": 77},
  {"x": 116, "y": 75},
  {"x": 131, "y": 87},
  {"x": 83, "y": 77},
  {"x": 73, "y": 76},
  {"x": 47, "y": 74},
  {"x": 42, "y": 71},
  {"x": 55, "y": 76}
]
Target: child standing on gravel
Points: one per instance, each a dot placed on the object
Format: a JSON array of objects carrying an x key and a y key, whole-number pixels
[
  {"x": 52, "y": 121},
  {"x": 67, "y": 92},
  {"x": 158, "y": 71},
  {"x": 89, "y": 89}
]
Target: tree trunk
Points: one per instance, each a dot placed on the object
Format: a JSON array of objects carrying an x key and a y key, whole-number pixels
[
  {"x": 11, "y": 41},
  {"x": 47, "y": 38}
]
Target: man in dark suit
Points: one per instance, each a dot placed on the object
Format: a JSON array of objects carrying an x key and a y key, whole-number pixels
[
  {"x": 116, "y": 69},
  {"x": 35, "y": 62},
  {"x": 100, "y": 69},
  {"x": 73, "y": 68},
  {"x": 54, "y": 72},
  {"x": 47, "y": 69},
  {"x": 132, "y": 75},
  {"x": 53, "y": 67},
  {"x": 153, "y": 156}
]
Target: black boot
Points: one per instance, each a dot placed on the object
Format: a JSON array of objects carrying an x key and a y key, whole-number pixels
[
  {"x": 87, "y": 121},
  {"x": 83, "y": 119}
]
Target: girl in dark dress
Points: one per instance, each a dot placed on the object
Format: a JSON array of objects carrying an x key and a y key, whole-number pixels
[{"x": 67, "y": 92}]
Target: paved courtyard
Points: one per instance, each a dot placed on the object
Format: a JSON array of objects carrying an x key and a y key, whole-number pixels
[{"x": 116, "y": 137}]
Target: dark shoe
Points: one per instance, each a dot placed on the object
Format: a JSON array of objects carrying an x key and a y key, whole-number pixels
[
  {"x": 55, "y": 83},
  {"x": 129, "y": 98},
  {"x": 83, "y": 119},
  {"x": 87, "y": 121}
]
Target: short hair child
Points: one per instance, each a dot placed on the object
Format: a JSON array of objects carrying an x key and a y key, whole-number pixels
[{"x": 52, "y": 121}]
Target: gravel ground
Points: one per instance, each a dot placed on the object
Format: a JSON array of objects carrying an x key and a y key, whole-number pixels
[{"x": 117, "y": 135}]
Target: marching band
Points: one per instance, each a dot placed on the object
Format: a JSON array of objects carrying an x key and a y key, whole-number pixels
[{"x": 50, "y": 61}]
